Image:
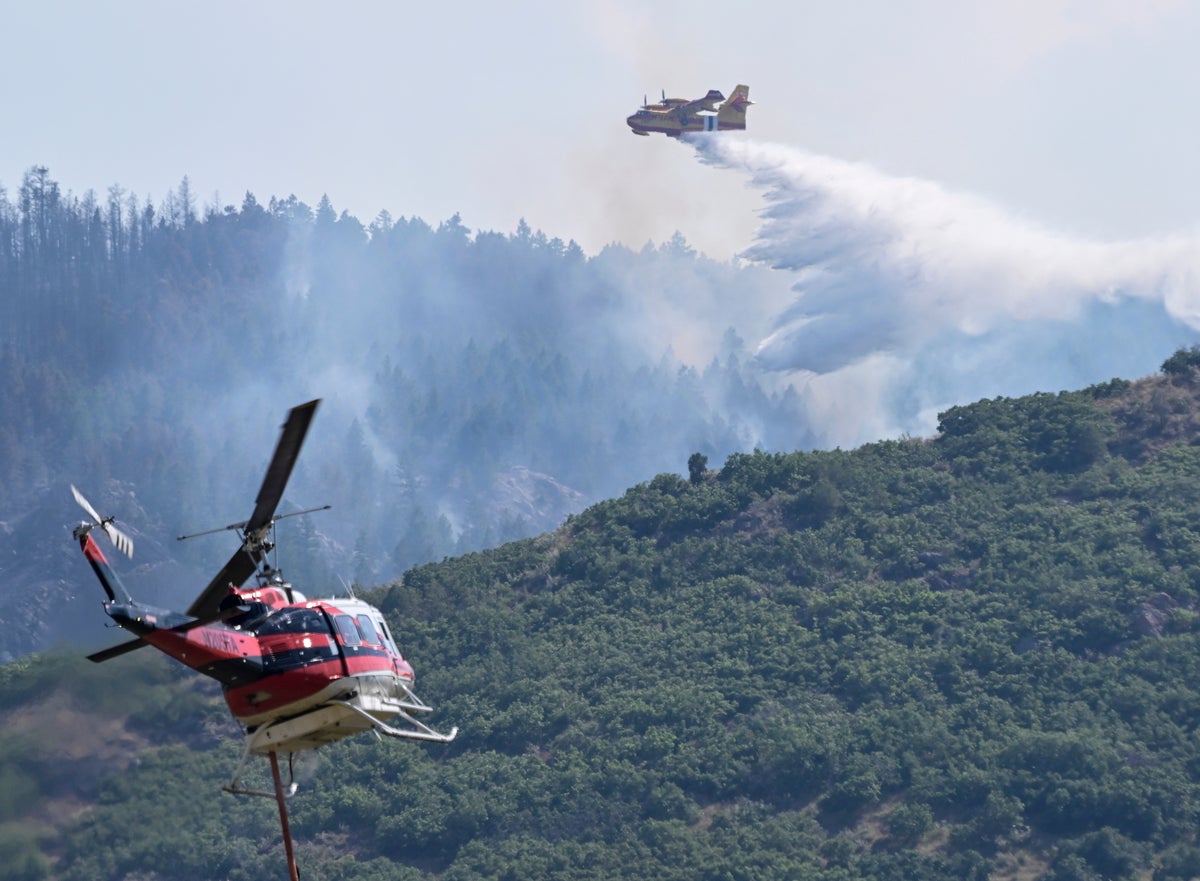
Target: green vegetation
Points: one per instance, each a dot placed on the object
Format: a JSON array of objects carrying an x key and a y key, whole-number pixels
[
  {"x": 1183, "y": 362},
  {"x": 967, "y": 657}
]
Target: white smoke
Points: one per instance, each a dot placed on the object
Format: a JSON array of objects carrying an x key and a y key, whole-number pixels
[{"x": 911, "y": 298}]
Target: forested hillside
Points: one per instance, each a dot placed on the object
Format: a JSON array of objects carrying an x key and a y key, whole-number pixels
[
  {"x": 969, "y": 656},
  {"x": 478, "y": 386}
]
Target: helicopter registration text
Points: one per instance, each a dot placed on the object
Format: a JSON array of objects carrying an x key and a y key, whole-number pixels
[{"x": 222, "y": 642}]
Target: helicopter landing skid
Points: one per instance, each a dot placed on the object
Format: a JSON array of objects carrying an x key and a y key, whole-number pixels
[
  {"x": 272, "y": 739},
  {"x": 421, "y": 732}
]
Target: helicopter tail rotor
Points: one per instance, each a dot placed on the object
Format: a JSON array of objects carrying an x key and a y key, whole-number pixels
[{"x": 120, "y": 540}]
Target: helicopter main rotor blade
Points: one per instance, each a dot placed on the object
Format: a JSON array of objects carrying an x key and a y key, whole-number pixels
[
  {"x": 245, "y": 559},
  {"x": 240, "y": 567},
  {"x": 281, "y": 465}
]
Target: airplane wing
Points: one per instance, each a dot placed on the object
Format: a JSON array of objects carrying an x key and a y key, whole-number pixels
[
  {"x": 681, "y": 113},
  {"x": 690, "y": 108}
]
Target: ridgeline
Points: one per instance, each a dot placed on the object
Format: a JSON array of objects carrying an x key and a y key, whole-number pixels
[{"x": 971, "y": 656}]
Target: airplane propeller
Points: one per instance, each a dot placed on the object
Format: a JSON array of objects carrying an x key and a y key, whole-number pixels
[{"x": 120, "y": 540}]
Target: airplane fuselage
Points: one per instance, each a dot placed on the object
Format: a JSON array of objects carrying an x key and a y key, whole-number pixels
[
  {"x": 646, "y": 122},
  {"x": 674, "y": 116}
]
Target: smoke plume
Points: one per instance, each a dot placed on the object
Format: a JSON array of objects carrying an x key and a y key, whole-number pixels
[{"x": 910, "y": 298}]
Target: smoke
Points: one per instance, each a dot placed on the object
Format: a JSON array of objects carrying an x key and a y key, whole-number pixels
[{"x": 910, "y": 298}]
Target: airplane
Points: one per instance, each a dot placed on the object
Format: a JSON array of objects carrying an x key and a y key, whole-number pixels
[
  {"x": 296, "y": 673},
  {"x": 674, "y": 116}
]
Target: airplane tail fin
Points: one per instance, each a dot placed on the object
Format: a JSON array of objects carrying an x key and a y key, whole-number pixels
[{"x": 732, "y": 113}]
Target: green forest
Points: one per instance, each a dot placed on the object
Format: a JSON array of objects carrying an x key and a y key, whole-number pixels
[{"x": 974, "y": 655}]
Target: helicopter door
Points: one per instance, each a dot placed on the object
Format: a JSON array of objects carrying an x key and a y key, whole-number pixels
[{"x": 348, "y": 637}]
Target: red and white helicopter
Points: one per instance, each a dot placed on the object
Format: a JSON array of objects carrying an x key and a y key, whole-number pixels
[{"x": 297, "y": 673}]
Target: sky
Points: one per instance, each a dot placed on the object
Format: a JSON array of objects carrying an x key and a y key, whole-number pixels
[
  {"x": 964, "y": 198},
  {"x": 1076, "y": 115}
]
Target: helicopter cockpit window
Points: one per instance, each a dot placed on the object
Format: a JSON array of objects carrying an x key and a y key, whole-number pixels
[
  {"x": 368, "y": 630},
  {"x": 348, "y": 630},
  {"x": 294, "y": 621},
  {"x": 253, "y": 615}
]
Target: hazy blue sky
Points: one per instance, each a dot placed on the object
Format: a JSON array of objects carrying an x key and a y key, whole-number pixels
[{"x": 1080, "y": 116}]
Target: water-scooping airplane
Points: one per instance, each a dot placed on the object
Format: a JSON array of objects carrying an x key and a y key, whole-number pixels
[{"x": 674, "y": 116}]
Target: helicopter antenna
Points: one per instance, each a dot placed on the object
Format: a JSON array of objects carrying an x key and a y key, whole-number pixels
[{"x": 348, "y": 586}]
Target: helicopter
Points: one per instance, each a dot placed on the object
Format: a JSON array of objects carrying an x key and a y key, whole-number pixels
[{"x": 296, "y": 673}]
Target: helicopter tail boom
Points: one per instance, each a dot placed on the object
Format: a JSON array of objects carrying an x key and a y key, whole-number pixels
[
  {"x": 142, "y": 621},
  {"x": 104, "y": 572}
]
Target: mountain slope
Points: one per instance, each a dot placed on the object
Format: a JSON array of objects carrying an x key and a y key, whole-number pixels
[{"x": 963, "y": 657}]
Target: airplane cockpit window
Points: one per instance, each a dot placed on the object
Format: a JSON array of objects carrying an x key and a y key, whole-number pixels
[{"x": 348, "y": 630}]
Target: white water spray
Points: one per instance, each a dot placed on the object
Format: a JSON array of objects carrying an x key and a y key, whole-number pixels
[{"x": 911, "y": 298}]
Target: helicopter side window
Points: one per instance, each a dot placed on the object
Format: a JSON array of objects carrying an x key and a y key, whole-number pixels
[
  {"x": 387, "y": 635},
  {"x": 368, "y": 630},
  {"x": 348, "y": 630}
]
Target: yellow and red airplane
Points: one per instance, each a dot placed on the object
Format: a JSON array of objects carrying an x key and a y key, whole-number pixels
[{"x": 674, "y": 116}]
